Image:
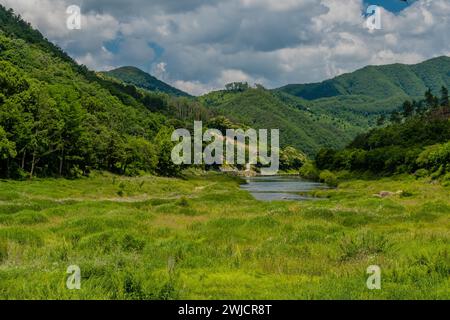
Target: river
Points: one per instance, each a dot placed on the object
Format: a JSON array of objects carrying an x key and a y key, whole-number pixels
[{"x": 278, "y": 188}]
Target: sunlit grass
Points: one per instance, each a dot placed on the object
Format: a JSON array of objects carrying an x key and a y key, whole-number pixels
[{"x": 202, "y": 237}]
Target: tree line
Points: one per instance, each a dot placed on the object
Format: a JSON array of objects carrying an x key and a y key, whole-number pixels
[{"x": 416, "y": 140}]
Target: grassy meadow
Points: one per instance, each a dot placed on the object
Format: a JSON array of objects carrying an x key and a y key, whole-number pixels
[{"x": 203, "y": 238}]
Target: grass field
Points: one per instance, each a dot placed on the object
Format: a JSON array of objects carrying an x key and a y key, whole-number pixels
[{"x": 204, "y": 238}]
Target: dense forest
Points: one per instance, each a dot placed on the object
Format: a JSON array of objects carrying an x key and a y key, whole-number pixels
[
  {"x": 306, "y": 129},
  {"x": 379, "y": 82},
  {"x": 415, "y": 140},
  {"x": 57, "y": 118},
  {"x": 331, "y": 113}
]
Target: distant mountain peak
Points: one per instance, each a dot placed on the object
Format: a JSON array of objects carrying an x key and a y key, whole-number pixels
[
  {"x": 379, "y": 81},
  {"x": 141, "y": 79},
  {"x": 129, "y": 69}
]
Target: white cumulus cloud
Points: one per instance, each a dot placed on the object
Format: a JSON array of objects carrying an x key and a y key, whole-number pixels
[{"x": 199, "y": 45}]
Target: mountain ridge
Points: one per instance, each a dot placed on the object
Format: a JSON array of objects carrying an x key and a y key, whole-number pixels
[
  {"x": 392, "y": 76},
  {"x": 301, "y": 127},
  {"x": 143, "y": 80},
  {"x": 59, "y": 119},
  {"x": 342, "y": 107}
]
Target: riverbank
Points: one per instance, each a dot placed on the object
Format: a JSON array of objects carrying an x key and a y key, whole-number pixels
[{"x": 204, "y": 238}]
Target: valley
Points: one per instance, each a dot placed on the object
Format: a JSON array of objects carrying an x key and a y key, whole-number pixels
[
  {"x": 204, "y": 238},
  {"x": 87, "y": 183}
]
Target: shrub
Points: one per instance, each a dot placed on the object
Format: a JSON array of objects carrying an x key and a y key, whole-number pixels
[
  {"x": 183, "y": 202},
  {"x": 75, "y": 172},
  {"x": 363, "y": 244},
  {"x": 309, "y": 171},
  {"x": 421, "y": 173},
  {"x": 438, "y": 173},
  {"x": 406, "y": 194},
  {"x": 344, "y": 175},
  {"x": 325, "y": 158},
  {"x": 446, "y": 180},
  {"x": 291, "y": 158},
  {"x": 435, "y": 158},
  {"x": 329, "y": 178},
  {"x": 121, "y": 191}
]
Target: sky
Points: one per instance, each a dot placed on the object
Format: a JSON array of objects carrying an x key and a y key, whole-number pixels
[
  {"x": 391, "y": 5},
  {"x": 201, "y": 45}
]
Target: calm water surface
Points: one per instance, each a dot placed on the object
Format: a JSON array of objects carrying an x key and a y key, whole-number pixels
[{"x": 277, "y": 188}]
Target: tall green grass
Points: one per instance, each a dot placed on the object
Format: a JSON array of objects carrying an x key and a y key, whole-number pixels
[{"x": 204, "y": 238}]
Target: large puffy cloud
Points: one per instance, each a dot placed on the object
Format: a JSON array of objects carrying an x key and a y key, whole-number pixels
[{"x": 199, "y": 45}]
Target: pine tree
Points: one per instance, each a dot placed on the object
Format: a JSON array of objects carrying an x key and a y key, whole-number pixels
[
  {"x": 381, "y": 120},
  {"x": 444, "y": 97},
  {"x": 396, "y": 117},
  {"x": 408, "y": 109},
  {"x": 430, "y": 100}
]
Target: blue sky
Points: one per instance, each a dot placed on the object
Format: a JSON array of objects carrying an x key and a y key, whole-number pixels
[
  {"x": 200, "y": 45},
  {"x": 391, "y": 5}
]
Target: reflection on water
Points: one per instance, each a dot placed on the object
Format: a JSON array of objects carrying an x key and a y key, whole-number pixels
[{"x": 277, "y": 188}]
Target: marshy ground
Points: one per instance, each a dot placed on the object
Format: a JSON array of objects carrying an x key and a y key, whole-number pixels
[{"x": 204, "y": 238}]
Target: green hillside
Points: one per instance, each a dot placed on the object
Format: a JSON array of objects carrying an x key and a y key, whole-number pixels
[
  {"x": 57, "y": 118},
  {"x": 141, "y": 79},
  {"x": 122, "y": 105},
  {"x": 372, "y": 91},
  {"x": 380, "y": 82},
  {"x": 300, "y": 126},
  {"x": 333, "y": 112},
  {"x": 416, "y": 141}
]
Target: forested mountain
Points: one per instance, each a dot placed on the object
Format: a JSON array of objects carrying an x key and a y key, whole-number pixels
[
  {"x": 313, "y": 116},
  {"x": 416, "y": 140},
  {"x": 380, "y": 82},
  {"x": 143, "y": 80},
  {"x": 374, "y": 91},
  {"x": 58, "y": 118},
  {"x": 333, "y": 112},
  {"x": 306, "y": 129}
]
